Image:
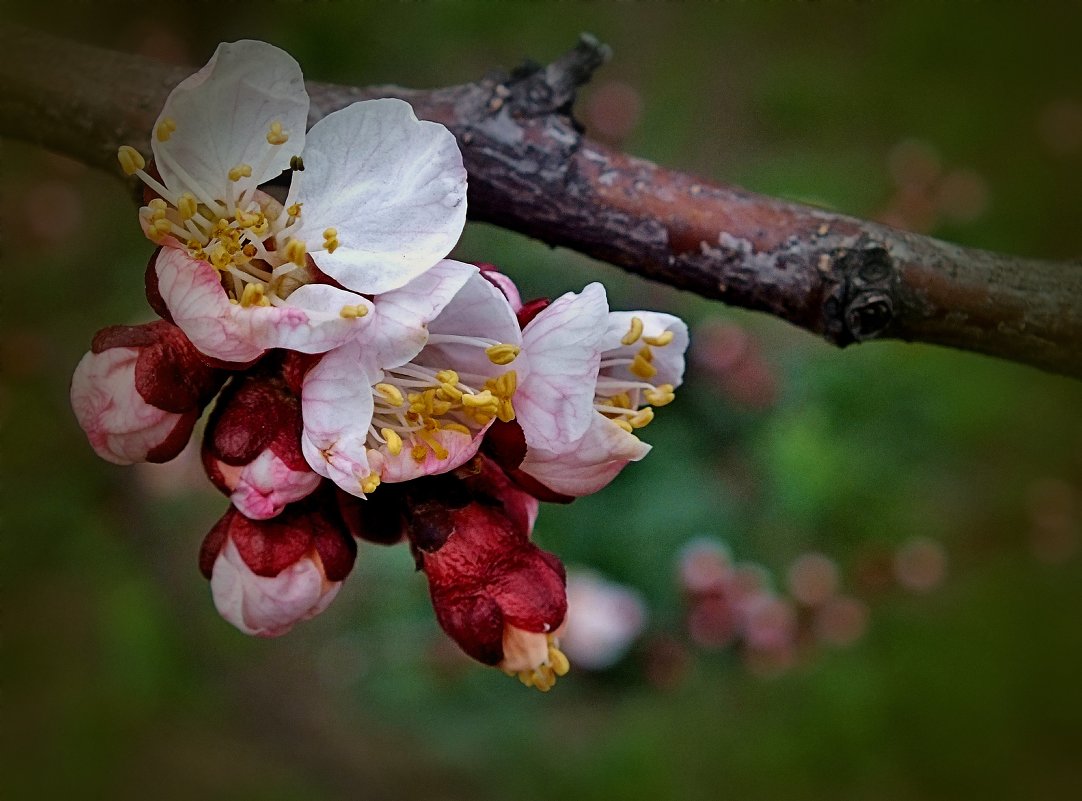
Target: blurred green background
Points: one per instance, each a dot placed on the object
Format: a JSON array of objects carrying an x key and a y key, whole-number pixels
[{"x": 121, "y": 682}]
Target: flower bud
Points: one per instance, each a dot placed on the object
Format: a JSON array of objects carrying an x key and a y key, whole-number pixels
[
  {"x": 498, "y": 595},
  {"x": 267, "y": 575},
  {"x": 252, "y": 445},
  {"x": 139, "y": 391}
]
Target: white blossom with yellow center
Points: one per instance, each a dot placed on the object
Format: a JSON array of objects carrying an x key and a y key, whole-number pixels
[{"x": 377, "y": 197}]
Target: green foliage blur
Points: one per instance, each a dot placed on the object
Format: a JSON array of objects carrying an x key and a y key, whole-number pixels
[{"x": 121, "y": 682}]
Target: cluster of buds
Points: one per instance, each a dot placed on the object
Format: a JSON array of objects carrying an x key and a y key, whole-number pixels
[{"x": 367, "y": 386}]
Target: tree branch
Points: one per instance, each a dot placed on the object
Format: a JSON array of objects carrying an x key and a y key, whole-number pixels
[{"x": 532, "y": 170}]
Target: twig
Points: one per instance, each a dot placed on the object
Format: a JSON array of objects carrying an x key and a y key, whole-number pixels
[{"x": 532, "y": 170}]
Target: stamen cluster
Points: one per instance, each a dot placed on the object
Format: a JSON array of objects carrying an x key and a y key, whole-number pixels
[{"x": 368, "y": 388}]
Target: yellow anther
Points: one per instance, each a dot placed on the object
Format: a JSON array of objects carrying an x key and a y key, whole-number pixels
[
  {"x": 447, "y": 377},
  {"x": 450, "y": 392},
  {"x": 503, "y": 353},
  {"x": 295, "y": 251},
  {"x": 390, "y": 393},
  {"x": 294, "y": 210},
  {"x": 505, "y": 411},
  {"x": 660, "y": 395},
  {"x": 330, "y": 240},
  {"x": 131, "y": 161},
  {"x": 661, "y": 340},
  {"x": 394, "y": 442},
  {"x": 370, "y": 483},
  {"x": 187, "y": 206},
  {"x": 165, "y": 129},
  {"x": 158, "y": 206},
  {"x": 642, "y": 368},
  {"x": 252, "y": 296},
  {"x": 480, "y": 400},
  {"x": 419, "y": 453},
  {"x": 558, "y": 662},
  {"x": 643, "y": 418},
  {"x": 633, "y": 334},
  {"x": 624, "y": 424},
  {"x": 434, "y": 444},
  {"x": 353, "y": 312},
  {"x": 461, "y": 429},
  {"x": 275, "y": 135},
  {"x": 161, "y": 227},
  {"x": 506, "y": 384},
  {"x": 646, "y": 353},
  {"x": 240, "y": 171},
  {"x": 620, "y": 400},
  {"x": 246, "y": 219},
  {"x": 249, "y": 250}
]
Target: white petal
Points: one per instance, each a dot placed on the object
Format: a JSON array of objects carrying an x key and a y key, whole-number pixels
[
  {"x": 266, "y": 484},
  {"x": 121, "y": 426},
  {"x": 336, "y": 404},
  {"x": 594, "y": 461},
  {"x": 222, "y": 115},
  {"x": 310, "y": 322},
  {"x": 403, "y": 314},
  {"x": 668, "y": 359},
  {"x": 269, "y": 606},
  {"x": 554, "y": 402},
  {"x": 392, "y": 186}
]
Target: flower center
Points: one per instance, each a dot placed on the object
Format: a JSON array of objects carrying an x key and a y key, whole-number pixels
[
  {"x": 244, "y": 234},
  {"x": 626, "y": 401},
  {"x": 414, "y": 402},
  {"x": 543, "y": 675}
]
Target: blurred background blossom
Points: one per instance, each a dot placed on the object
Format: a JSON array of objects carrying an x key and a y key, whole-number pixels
[{"x": 839, "y": 575}]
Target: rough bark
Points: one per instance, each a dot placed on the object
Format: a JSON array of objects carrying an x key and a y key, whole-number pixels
[{"x": 533, "y": 170}]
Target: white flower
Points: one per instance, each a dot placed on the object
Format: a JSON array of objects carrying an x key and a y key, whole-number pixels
[{"x": 377, "y": 198}]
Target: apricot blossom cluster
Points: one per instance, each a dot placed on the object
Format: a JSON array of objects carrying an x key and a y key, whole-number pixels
[{"x": 367, "y": 386}]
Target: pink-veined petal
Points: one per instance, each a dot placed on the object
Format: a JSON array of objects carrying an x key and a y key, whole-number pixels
[
  {"x": 266, "y": 485},
  {"x": 667, "y": 359},
  {"x": 122, "y": 427},
  {"x": 403, "y": 314},
  {"x": 337, "y": 405},
  {"x": 269, "y": 607},
  {"x": 309, "y": 322},
  {"x": 223, "y": 113},
  {"x": 392, "y": 186},
  {"x": 554, "y": 401},
  {"x": 594, "y": 461},
  {"x": 460, "y": 449}
]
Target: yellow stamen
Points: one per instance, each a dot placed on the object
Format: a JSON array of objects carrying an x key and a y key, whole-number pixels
[
  {"x": 369, "y": 484},
  {"x": 330, "y": 240},
  {"x": 419, "y": 453},
  {"x": 434, "y": 444},
  {"x": 642, "y": 368},
  {"x": 660, "y": 395},
  {"x": 240, "y": 171},
  {"x": 558, "y": 661},
  {"x": 165, "y": 129},
  {"x": 643, "y": 418},
  {"x": 480, "y": 400},
  {"x": 503, "y": 353},
  {"x": 450, "y": 392},
  {"x": 294, "y": 210},
  {"x": 187, "y": 206},
  {"x": 353, "y": 312},
  {"x": 646, "y": 353},
  {"x": 390, "y": 393},
  {"x": 252, "y": 296},
  {"x": 661, "y": 340},
  {"x": 295, "y": 251},
  {"x": 276, "y": 136},
  {"x": 624, "y": 424},
  {"x": 461, "y": 429},
  {"x": 394, "y": 442},
  {"x": 621, "y": 400},
  {"x": 633, "y": 334},
  {"x": 131, "y": 161}
]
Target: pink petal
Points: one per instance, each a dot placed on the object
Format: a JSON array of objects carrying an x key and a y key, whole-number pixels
[
  {"x": 460, "y": 449},
  {"x": 310, "y": 322},
  {"x": 392, "y": 186},
  {"x": 269, "y": 607},
  {"x": 337, "y": 405},
  {"x": 554, "y": 401},
  {"x": 122, "y": 427},
  {"x": 403, "y": 314},
  {"x": 266, "y": 485},
  {"x": 595, "y": 460}
]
